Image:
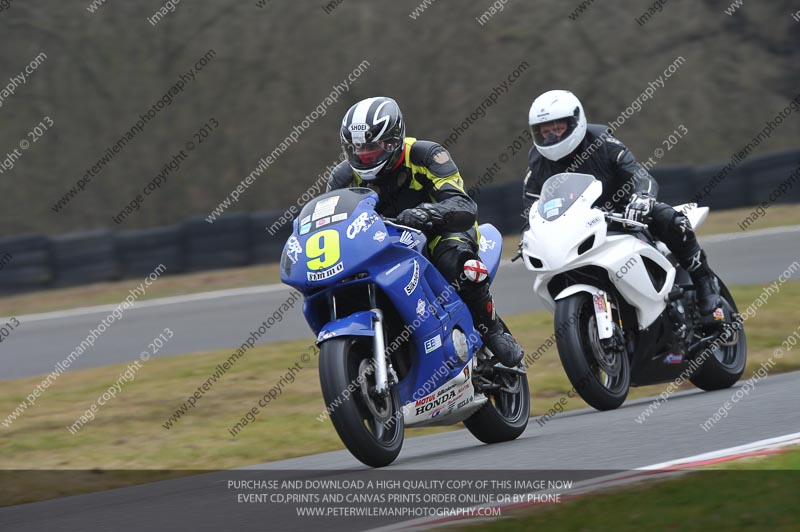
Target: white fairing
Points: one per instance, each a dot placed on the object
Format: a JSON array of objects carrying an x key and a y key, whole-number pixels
[
  {"x": 697, "y": 215},
  {"x": 556, "y": 244}
]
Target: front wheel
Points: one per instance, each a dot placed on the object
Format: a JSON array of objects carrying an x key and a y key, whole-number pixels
[
  {"x": 600, "y": 375},
  {"x": 369, "y": 425}
]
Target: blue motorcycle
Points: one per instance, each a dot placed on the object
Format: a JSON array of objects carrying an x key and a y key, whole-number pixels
[{"x": 397, "y": 345}]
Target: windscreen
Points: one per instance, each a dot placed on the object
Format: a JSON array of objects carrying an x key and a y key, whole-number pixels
[
  {"x": 560, "y": 192},
  {"x": 330, "y": 208}
]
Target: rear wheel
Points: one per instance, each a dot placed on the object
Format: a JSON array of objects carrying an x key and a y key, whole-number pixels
[
  {"x": 725, "y": 364},
  {"x": 600, "y": 375},
  {"x": 369, "y": 425},
  {"x": 505, "y": 416}
]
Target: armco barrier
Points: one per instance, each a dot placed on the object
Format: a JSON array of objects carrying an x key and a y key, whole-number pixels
[
  {"x": 84, "y": 257},
  {"x": 223, "y": 244},
  {"x": 26, "y": 263},
  {"x": 33, "y": 262},
  {"x": 139, "y": 251}
]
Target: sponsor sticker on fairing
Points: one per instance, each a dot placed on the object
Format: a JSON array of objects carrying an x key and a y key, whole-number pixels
[
  {"x": 672, "y": 358},
  {"x": 379, "y": 236},
  {"x": 325, "y": 274},
  {"x": 360, "y": 225},
  {"x": 323, "y": 221},
  {"x": 407, "y": 239},
  {"x": 594, "y": 221},
  {"x": 293, "y": 249},
  {"x": 486, "y": 244},
  {"x": 432, "y": 344},
  {"x": 412, "y": 284},
  {"x": 339, "y": 217},
  {"x": 324, "y": 208},
  {"x": 466, "y": 401},
  {"x": 420, "y": 307},
  {"x": 305, "y": 228},
  {"x": 553, "y": 204},
  {"x": 600, "y": 302},
  {"x": 440, "y": 400}
]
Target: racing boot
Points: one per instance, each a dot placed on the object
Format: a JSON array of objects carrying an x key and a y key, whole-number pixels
[
  {"x": 503, "y": 346},
  {"x": 705, "y": 282}
]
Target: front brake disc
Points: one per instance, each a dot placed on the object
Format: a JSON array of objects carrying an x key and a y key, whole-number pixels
[{"x": 381, "y": 412}]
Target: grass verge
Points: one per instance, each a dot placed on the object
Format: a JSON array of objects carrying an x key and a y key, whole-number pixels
[{"x": 753, "y": 494}]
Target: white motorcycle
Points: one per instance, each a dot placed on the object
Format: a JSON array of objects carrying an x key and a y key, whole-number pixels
[{"x": 625, "y": 311}]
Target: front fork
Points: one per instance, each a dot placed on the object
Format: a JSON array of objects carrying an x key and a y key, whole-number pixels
[
  {"x": 602, "y": 315},
  {"x": 379, "y": 350},
  {"x": 379, "y": 346}
]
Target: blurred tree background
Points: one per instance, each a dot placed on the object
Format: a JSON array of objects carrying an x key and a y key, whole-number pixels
[{"x": 274, "y": 64}]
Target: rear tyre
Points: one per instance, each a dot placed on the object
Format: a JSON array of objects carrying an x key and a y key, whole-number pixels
[
  {"x": 370, "y": 426},
  {"x": 601, "y": 377},
  {"x": 505, "y": 416},
  {"x": 725, "y": 364}
]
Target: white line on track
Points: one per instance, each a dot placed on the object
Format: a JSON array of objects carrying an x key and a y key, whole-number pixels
[
  {"x": 148, "y": 303},
  {"x": 615, "y": 479},
  {"x": 760, "y": 445},
  {"x": 264, "y": 289}
]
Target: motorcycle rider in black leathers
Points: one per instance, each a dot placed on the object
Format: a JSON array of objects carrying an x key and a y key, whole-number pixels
[
  {"x": 564, "y": 142},
  {"x": 419, "y": 184}
]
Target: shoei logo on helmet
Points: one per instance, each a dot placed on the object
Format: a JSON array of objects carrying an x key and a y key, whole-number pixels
[{"x": 358, "y": 127}]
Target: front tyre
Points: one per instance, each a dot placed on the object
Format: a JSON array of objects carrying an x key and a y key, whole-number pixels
[
  {"x": 600, "y": 375},
  {"x": 370, "y": 426}
]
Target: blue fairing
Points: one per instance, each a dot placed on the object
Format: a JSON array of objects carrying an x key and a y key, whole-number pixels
[
  {"x": 340, "y": 247},
  {"x": 356, "y": 324},
  {"x": 491, "y": 248}
]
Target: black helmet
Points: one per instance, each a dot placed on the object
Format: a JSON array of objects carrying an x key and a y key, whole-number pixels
[{"x": 372, "y": 137}]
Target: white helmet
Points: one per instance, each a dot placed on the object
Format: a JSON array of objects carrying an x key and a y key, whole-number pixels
[{"x": 557, "y": 105}]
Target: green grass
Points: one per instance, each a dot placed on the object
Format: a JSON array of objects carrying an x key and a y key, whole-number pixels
[
  {"x": 170, "y": 285},
  {"x": 754, "y": 494}
]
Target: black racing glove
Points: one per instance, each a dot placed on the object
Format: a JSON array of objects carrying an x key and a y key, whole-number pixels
[
  {"x": 639, "y": 207},
  {"x": 417, "y": 218}
]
